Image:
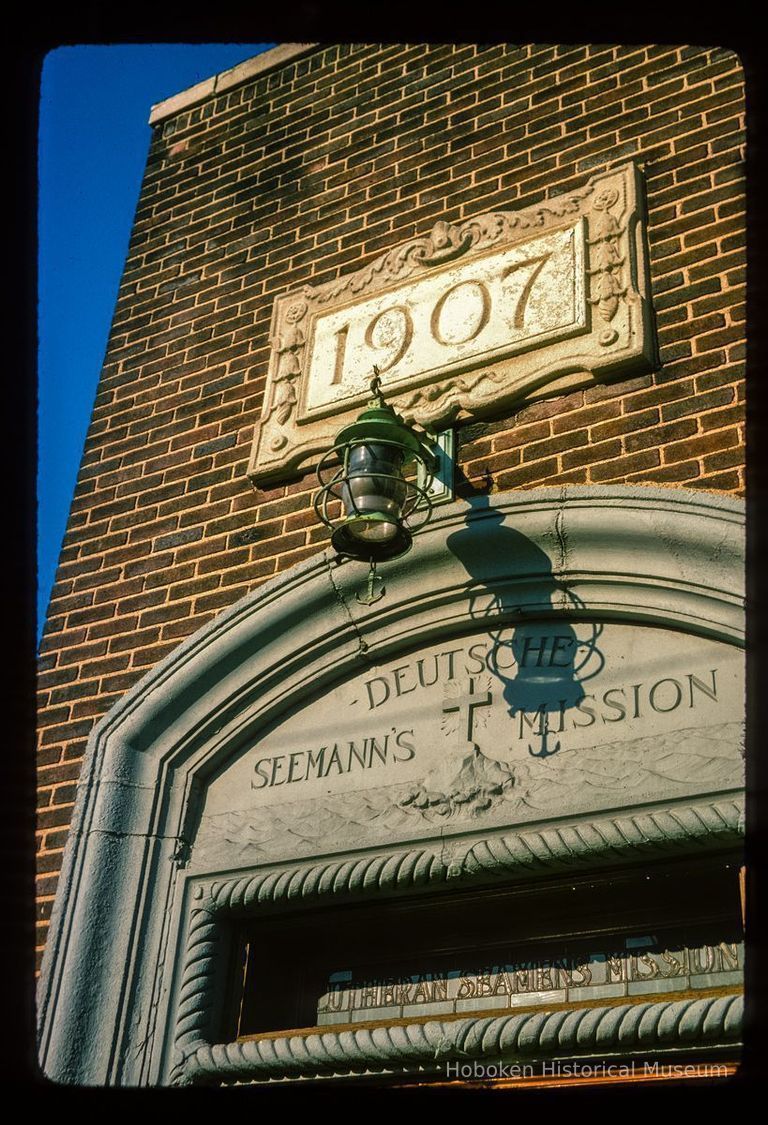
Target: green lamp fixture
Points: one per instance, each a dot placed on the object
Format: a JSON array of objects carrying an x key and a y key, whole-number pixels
[{"x": 370, "y": 470}]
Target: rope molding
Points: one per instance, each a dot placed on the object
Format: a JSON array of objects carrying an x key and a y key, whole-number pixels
[
  {"x": 628, "y": 1027},
  {"x": 580, "y": 845},
  {"x": 544, "y": 850}
]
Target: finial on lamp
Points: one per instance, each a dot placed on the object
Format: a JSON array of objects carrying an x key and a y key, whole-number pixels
[{"x": 378, "y": 397}]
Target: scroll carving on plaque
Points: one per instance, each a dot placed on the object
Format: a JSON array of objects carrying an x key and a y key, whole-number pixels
[{"x": 495, "y": 310}]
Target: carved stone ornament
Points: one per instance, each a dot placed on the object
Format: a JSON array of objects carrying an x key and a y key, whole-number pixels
[{"x": 497, "y": 309}]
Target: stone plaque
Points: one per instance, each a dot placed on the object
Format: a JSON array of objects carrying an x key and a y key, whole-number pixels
[
  {"x": 503, "y": 302},
  {"x": 503, "y": 727},
  {"x": 496, "y": 309}
]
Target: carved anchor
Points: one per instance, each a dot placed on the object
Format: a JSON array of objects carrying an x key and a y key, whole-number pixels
[
  {"x": 544, "y": 752},
  {"x": 369, "y": 597}
]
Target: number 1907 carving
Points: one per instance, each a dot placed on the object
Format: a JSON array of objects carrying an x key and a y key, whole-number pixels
[{"x": 458, "y": 316}]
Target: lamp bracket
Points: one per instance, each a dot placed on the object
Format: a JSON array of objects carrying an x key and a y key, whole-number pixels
[{"x": 441, "y": 490}]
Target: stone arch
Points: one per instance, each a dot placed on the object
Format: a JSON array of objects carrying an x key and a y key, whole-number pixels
[{"x": 666, "y": 557}]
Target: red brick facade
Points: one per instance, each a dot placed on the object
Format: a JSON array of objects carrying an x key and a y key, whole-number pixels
[{"x": 308, "y": 171}]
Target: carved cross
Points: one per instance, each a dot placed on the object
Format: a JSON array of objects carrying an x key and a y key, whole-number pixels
[{"x": 465, "y": 705}]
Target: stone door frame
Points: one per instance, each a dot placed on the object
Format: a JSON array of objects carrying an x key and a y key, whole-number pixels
[{"x": 118, "y": 981}]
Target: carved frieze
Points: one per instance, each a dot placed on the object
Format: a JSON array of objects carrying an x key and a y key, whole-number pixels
[
  {"x": 500, "y": 728},
  {"x": 497, "y": 309}
]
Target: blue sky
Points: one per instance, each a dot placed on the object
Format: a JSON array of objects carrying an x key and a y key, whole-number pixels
[{"x": 93, "y": 142}]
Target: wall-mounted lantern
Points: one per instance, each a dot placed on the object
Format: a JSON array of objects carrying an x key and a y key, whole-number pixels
[{"x": 380, "y": 471}]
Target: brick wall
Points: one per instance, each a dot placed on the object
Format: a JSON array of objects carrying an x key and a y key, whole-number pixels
[{"x": 307, "y": 172}]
